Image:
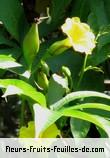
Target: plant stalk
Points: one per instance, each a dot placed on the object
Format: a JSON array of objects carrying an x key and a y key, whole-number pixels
[{"x": 82, "y": 71}]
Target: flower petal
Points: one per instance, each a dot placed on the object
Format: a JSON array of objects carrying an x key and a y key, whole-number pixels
[{"x": 80, "y": 35}]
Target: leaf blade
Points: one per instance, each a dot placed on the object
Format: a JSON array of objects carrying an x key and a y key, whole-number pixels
[
  {"x": 7, "y": 61},
  {"x": 10, "y": 14},
  {"x": 53, "y": 116},
  {"x": 26, "y": 89},
  {"x": 77, "y": 95},
  {"x": 79, "y": 128}
]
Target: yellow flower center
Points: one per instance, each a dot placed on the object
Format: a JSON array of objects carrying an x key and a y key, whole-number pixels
[{"x": 80, "y": 35}]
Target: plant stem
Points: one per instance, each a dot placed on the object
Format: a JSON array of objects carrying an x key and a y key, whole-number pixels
[{"x": 82, "y": 71}]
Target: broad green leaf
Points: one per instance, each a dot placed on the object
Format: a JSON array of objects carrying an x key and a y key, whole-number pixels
[
  {"x": 41, "y": 116},
  {"x": 99, "y": 57},
  {"x": 92, "y": 21},
  {"x": 91, "y": 106},
  {"x": 4, "y": 40},
  {"x": 103, "y": 134},
  {"x": 69, "y": 59},
  {"x": 95, "y": 119},
  {"x": 103, "y": 40},
  {"x": 10, "y": 14},
  {"x": 107, "y": 7},
  {"x": 74, "y": 62},
  {"x": 90, "y": 80},
  {"x": 11, "y": 90},
  {"x": 31, "y": 44},
  {"x": 104, "y": 37},
  {"x": 8, "y": 62},
  {"x": 77, "y": 95},
  {"x": 2, "y": 72},
  {"x": 103, "y": 111},
  {"x": 98, "y": 8},
  {"x": 78, "y": 9},
  {"x": 58, "y": 9},
  {"x": 23, "y": 88},
  {"x": 51, "y": 117},
  {"x": 12, "y": 54},
  {"x": 22, "y": 71},
  {"x": 15, "y": 52},
  {"x": 79, "y": 128},
  {"x": 56, "y": 84},
  {"x": 103, "y": 48}
]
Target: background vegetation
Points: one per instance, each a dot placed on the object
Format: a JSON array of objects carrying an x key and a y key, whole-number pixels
[{"x": 36, "y": 78}]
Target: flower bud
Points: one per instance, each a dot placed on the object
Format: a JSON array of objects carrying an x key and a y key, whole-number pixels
[{"x": 31, "y": 44}]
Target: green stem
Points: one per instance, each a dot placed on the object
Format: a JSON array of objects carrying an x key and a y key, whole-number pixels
[
  {"x": 82, "y": 71},
  {"x": 22, "y": 115}
]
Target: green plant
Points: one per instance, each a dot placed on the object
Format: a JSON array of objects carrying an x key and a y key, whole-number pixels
[{"x": 57, "y": 67}]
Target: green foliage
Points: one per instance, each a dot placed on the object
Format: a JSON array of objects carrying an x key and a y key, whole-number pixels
[
  {"x": 24, "y": 88},
  {"x": 53, "y": 116},
  {"x": 77, "y": 95},
  {"x": 59, "y": 84},
  {"x": 97, "y": 7},
  {"x": 10, "y": 14},
  {"x": 7, "y": 62},
  {"x": 38, "y": 63},
  {"x": 57, "y": 14},
  {"x": 79, "y": 128},
  {"x": 78, "y": 8}
]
